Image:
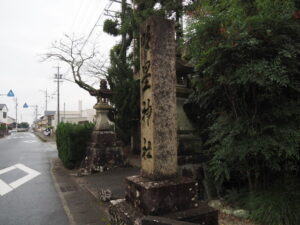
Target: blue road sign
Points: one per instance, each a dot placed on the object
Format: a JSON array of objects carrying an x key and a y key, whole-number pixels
[
  {"x": 25, "y": 105},
  {"x": 10, "y": 94}
]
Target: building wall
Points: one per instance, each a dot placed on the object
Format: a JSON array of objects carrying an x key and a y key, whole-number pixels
[
  {"x": 5, "y": 111},
  {"x": 75, "y": 116},
  {"x": 10, "y": 120}
]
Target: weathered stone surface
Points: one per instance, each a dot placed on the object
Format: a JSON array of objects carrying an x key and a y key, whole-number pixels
[
  {"x": 155, "y": 220},
  {"x": 159, "y": 190},
  {"x": 241, "y": 213},
  {"x": 158, "y": 99},
  {"x": 104, "y": 150},
  {"x": 122, "y": 213},
  {"x": 183, "y": 123},
  {"x": 102, "y": 121},
  {"x": 203, "y": 215},
  {"x": 217, "y": 204},
  {"x": 159, "y": 197}
]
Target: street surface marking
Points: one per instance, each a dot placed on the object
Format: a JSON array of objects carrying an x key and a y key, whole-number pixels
[
  {"x": 20, "y": 137},
  {"x": 6, "y": 188},
  {"x": 31, "y": 174},
  {"x": 7, "y": 169},
  {"x": 29, "y": 141}
]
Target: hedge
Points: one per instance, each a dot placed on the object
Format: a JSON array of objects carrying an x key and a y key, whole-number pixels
[{"x": 71, "y": 141}]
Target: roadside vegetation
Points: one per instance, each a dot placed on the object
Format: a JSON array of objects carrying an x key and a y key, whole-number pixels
[
  {"x": 72, "y": 141},
  {"x": 246, "y": 102}
]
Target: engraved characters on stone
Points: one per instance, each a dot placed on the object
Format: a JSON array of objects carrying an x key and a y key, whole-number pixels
[
  {"x": 146, "y": 111},
  {"x": 146, "y": 149}
]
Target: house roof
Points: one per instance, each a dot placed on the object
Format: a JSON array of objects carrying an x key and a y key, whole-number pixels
[
  {"x": 2, "y": 106},
  {"x": 50, "y": 113}
]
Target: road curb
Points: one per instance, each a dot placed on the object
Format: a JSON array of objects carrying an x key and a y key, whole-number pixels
[
  {"x": 64, "y": 203},
  {"x": 81, "y": 207}
]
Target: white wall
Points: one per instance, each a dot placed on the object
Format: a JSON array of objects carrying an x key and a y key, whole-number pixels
[
  {"x": 3, "y": 120},
  {"x": 75, "y": 116}
]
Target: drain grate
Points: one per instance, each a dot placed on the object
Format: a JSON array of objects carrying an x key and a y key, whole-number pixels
[{"x": 68, "y": 188}]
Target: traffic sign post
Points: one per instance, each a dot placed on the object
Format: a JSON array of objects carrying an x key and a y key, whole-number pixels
[
  {"x": 11, "y": 94},
  {"x": 35, "y": 106}
]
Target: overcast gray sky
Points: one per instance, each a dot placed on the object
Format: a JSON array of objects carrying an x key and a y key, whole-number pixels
[{"x": 28, "y": 27}]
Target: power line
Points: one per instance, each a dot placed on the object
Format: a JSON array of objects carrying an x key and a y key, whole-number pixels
[
  {"x": 76, "y": 15},
  {"x": 95, "y": 25},
  {"x": 91, "y": 15}
]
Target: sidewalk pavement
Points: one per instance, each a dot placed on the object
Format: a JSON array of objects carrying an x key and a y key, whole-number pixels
[
  {"x": 44, "y": 138},
  {"x": 81, "y": 196},
  {"x": 80, "y": 206}
]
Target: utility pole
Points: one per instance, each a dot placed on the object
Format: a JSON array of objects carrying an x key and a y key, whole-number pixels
[
  {"x": 58, "y": 78},
  {"x": 36, "y": 112},
  {"x": 46, "y": 103},
  {"x": 16, "y": 114},
  {"x": 64, "y": 111}
]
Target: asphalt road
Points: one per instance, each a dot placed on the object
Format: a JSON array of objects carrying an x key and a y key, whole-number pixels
[{"x": 27, "y": 191}]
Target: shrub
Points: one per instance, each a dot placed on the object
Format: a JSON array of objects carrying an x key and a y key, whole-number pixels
[
  {"x": 246, "y": 101},
  {"x": 246, "y": 98},
  {"x": 278, "y": 205},
  {"x": 2, "y": 126},
  {"x": 71, "y": 141}
]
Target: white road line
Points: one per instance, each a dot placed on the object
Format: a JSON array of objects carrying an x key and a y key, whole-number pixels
[
  {"x": 4, "y": 188},
  {"x": 7, "y": 169},
  {"x": 29, "y": 141},
  {"x": 31, "y": 174},
  {"x": 26, "y": 169}
]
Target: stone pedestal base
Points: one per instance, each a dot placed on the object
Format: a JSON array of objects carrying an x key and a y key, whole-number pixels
[
  {"x": 123, "y": 213},
  {"x": 102, "y": 152},
  {"x": 160, "y": 197},
  {"x": 167, "y": 202}
]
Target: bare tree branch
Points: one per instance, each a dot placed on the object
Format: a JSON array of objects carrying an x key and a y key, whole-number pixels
[{"x": 68, "y": 50}]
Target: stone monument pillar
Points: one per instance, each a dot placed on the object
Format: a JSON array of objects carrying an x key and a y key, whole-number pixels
[
  {"x": 158, "y": 190},
  {"x": 158, "y": 100}
]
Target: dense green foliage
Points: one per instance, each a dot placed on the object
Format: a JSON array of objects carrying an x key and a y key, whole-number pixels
[
  {"x": 120, "y": 75},
  {"x": 110, "y": 27},
  {"x": 125, "y": 98},
  {"x": 279, "y": 205},
  {"x": 71, "y": 141},
  {"x": 246, "y": 100},
  {"x": 2, "y": 126},
  {"x": 3, "y": 129},
  {"x": 125, "y": 62}
]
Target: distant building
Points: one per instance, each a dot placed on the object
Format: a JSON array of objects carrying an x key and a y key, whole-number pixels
[
  {"x": 49, "y": 119},
  {"x": 3, "y": 114},
  {"x": 10, "y": 120},
  {"x": 75, "y": 116}
]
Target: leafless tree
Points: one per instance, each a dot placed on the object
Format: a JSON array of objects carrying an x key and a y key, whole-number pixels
[{"x": 87, "y": 68}]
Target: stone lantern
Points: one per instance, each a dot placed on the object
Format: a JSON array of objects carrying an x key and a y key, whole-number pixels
[
  {"x": 102, "y": 107},
  {"x": 104, "y": 150}
]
